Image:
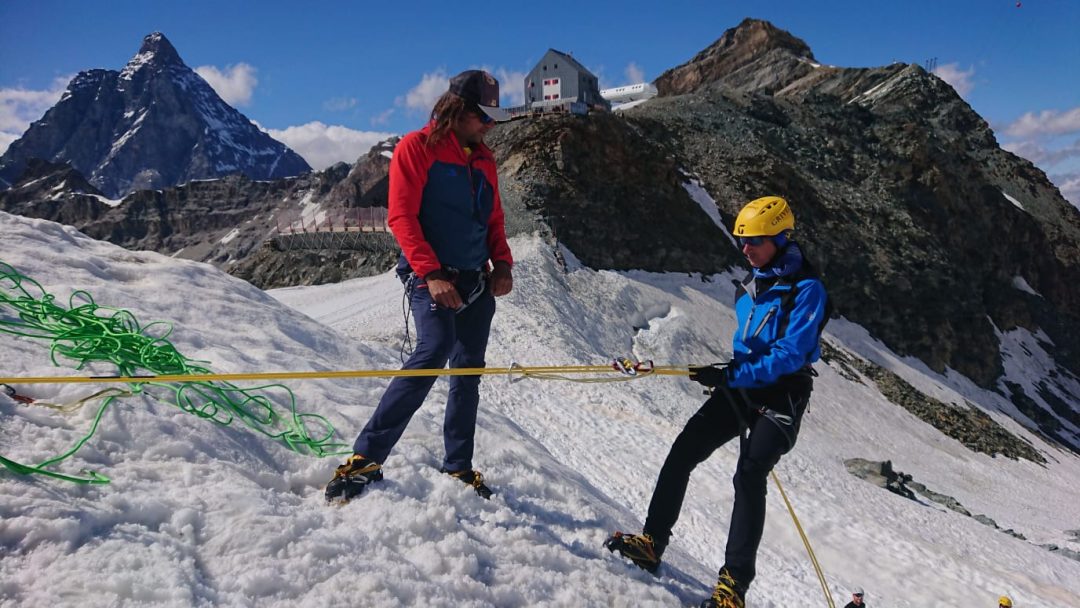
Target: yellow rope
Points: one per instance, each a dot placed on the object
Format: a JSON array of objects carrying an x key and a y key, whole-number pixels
[
  {"x": 539, "y": 372},
  {"x": 806, "y": 542}
]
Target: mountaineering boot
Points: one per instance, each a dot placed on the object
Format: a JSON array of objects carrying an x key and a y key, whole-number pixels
[
  {"x": 351, "y": 478},
  {"x": 638, "y": 548},
  {"x": 726, "y": 594},
  {"x": 474, "y": 479}
]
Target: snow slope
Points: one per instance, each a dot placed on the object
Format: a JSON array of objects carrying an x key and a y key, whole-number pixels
[{"x": 201, "y": 514}]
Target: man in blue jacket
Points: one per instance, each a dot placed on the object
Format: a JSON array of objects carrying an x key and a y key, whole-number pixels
[{"x": 759, "y": 396}]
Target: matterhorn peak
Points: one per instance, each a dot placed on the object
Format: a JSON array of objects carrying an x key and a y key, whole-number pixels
[
  {"x": 153, "y": 125},
  {"x": 156, "y": 50}
]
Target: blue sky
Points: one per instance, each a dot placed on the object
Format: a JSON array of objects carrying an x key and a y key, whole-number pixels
[{"x": 329, "y": 79}]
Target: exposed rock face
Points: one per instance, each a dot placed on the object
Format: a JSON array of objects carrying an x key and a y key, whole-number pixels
[
  {"x": 922, "y": 224},
  {"x": 755, "y": 56},
  {"x": 965, "y": 423},
  {"x": 368, "y": 182},
  {"x": 154, "y": 124},
  {"x": 218, "y": 221},
  {"x": 882, "y": 474},
  {"x": 615, "y": 198}
]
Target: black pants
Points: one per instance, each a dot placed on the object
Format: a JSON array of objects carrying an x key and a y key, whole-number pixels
[{"x": 721, "y": 419}]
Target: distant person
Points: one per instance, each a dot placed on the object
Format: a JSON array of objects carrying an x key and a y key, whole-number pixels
[
  {"x": 1005, "y": 602},
  {"x": 446, "y": 214},
  {"x": 781, "y": 308},
  {"x": 856, "y": 598}
]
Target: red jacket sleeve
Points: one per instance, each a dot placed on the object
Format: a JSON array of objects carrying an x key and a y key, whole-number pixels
[
  {"x": 408, "y": 174},
  {"x": 498, "y": 248}
]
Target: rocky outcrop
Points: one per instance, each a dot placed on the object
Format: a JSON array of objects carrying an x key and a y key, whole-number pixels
[
  {"x": 882, "y": 475},
  {"x": 755, "y": 56},
  {"x": 922, "y": 224},
  {"x": 218, "y": 221},
  {"x": 615, "y": 198},
  {"x": 275, "y": 265},
  {"x": 965, "y": 423},
  {"x": 152, "y": 125},
  {"x": 368, "y": 181}
]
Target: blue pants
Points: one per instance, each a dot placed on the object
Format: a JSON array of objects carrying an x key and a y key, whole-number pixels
[{"x": 442, "y": 335}]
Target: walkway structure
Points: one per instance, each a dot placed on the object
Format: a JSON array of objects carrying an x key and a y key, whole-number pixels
[{"x": 357, "y": 228}]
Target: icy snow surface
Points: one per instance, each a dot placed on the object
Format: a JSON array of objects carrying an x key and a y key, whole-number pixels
[{"x": 198, "y": 514}]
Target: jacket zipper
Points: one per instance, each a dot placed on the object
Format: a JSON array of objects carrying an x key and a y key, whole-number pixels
[{"x": 761, "y": 325}]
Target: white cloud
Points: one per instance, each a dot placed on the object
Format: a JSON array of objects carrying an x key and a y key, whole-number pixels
[
  {"x": 423, "y": 96},
  {"x": 19, "y": 107},
  {"x": 235, "y": 84},
  {"x": 323, "y": 145},
  {"x": 1047, "y": 122},
  {"x": 340, "y": 104},
  {"x": 511, "y": 86},
  {"x": 432, "y": 85},
  {"x": 634, "y": 73},
  {"x": 1042, "y": 155},
  {"x": 6, "y": 140},
  {"x": 957, "y": 78},
  {"x": 1069, "y": 184},
  {"x": 383, "y": 117}
]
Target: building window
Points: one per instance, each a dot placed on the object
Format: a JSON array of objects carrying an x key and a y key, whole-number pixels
[{"x": 556, "y": 96}]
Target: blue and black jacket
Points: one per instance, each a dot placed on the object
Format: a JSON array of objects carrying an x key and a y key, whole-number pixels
[{"x": 780, "y": 325}]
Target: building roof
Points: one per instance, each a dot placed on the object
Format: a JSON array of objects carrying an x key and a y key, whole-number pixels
[{"x": 569, "y": 59}]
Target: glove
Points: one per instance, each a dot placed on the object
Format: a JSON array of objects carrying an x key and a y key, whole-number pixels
[{"x": 710, "y": 375}]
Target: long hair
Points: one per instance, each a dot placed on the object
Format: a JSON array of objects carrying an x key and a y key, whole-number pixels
[{"x": 450, "y": 109}]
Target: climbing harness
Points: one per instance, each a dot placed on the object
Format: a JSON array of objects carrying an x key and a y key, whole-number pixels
[{"x": 410, "y": 280}]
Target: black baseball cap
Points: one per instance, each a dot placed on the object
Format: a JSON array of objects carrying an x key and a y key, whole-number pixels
[{"x": 481, "y": 89}]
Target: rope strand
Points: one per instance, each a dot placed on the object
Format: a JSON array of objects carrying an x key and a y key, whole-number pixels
[{"x": 86, "y": 333}]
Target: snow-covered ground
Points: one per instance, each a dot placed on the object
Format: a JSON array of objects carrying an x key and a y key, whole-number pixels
[{"x": 201, "y": 514}]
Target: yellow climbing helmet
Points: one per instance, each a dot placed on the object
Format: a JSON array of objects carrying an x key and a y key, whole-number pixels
[
  {"x": 766, "y": 216},
  {"x": 1005, "y": 601}
]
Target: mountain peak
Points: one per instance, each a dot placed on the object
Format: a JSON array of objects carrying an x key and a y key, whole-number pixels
[
  {"x": 154, "y": 124},
  {"x": 155, "y": 50},
  {"x": 753, "y": 56},
  {"x": 754, "y": 37},
  {"x": 158, "y": 45}
]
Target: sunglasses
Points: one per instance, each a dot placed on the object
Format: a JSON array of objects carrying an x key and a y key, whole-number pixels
[
  {"x": 481, "y": 115},
  {"x": 857, "y": 594},
  {"x": 753, "y": 241}
]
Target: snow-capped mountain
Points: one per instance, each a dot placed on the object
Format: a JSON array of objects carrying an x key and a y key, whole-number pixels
[{"x": 154, "y": 124}]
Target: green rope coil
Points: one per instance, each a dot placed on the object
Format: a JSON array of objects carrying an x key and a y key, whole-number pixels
[{"x": 86, "y": 332}]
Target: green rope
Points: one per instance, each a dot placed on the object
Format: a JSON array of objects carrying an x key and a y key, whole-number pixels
[{"x": 86, "y": 332}]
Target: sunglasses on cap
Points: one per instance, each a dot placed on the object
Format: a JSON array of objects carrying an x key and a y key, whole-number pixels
[
  {"x": 753, "y": 241},
  {"x": 857, "y": 594}
]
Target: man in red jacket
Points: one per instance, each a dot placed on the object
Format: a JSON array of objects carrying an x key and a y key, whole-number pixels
[{"x": 446, "y": 214}]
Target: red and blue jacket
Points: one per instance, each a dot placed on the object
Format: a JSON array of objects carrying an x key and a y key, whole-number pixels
[{"x": 444, "y": 205}]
